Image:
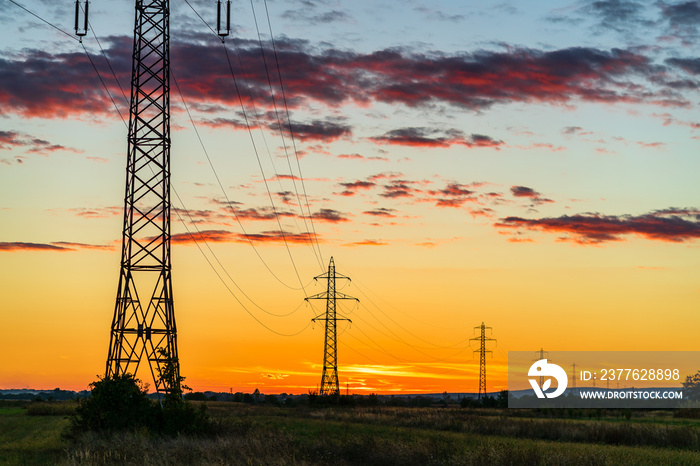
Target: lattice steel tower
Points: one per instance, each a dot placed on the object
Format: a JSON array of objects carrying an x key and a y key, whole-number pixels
[
  {"x": 144, "y": 321},
  {"x": 482, "y": 357},
  {"x": 329, "y": 378}
]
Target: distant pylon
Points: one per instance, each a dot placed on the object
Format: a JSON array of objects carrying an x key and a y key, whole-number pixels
[
  {"x": 541, "y": 356},
  {"x": 482, "y": 357},
  {"x": 573, "y": 379},
  {"x": 329, "y": 378},
  {"x": 143, "y": 326}
]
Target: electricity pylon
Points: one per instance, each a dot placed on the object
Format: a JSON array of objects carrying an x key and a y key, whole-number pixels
[
  {"x": 482, "y": 357},
  {"x": 144, "y": 321},
  {"x": 540, "y": 357},
  {"x": 329, "y": 378}
]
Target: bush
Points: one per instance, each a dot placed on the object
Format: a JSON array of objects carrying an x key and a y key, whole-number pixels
[{"x": 118, "y": 403}]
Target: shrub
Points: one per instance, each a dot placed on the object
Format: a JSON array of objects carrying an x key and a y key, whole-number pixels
[{"x": 116, "y": 403}]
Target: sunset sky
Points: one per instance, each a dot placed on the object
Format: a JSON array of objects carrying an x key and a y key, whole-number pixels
[{"x": 530, "y": 165}]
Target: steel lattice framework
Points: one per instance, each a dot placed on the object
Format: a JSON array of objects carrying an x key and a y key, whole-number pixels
[
  {"x": 144, "y": 321},
  {"x": 329, "y": 378},
  {"x": 482, "y": 356}
]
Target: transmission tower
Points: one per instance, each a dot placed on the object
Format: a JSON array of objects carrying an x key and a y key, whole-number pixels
[
  {"x": 482, "y": 356},
  {"x": 329, "y": 378},
  {"x": 540, "y": 357},
  {"x": 144, "y": 321}
]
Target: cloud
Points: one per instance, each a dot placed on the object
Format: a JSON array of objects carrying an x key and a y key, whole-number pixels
[
  {"x": 361, "y": 157},
  {"x": 61, "y": 246},
  {"x": 97, "y": 212},
  {"x": 37, "y": 83},
  {"x": 618, "y": 15},
  {"x": 18, "y": 246},
  {"x": 524, "y": 191},
  {"x": 381, "y": 212},
  {"x": 682, "y": 19},
  {"x": 429, "y": 137},
  {"x": 689, "y": 65},
  {"x": 367, "y": 242},
  {"x": 305, "y": 15},
  {"x": 438, "y": 15},
  {"x": 316, "y": 130},
  {"x": 225, "y": 236},
  {"x": 453, "y": 195},
  {"x": 15, "y": 140},
  {"x": 351, "y": 188},
  {"x": 329, "y": 216},
  {"x": 399, "y": 188},
  {"x": 670, "y": 225}
]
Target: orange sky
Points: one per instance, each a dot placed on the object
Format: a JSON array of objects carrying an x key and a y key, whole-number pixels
[{"x": 539, "y": 178}]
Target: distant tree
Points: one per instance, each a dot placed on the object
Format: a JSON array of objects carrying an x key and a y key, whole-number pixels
[
  {"x": 692, "y": 387},
  {"x": 256, "y": 395},
  {"x": 467, "y": 402},
  {"x": 502, "y": 399},
  {"x": 196, "y": 396}
]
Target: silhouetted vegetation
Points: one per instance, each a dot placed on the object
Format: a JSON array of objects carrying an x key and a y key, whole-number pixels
[
  {"x": 119, "y": 403},
  {"x": 275, "y": 432}
]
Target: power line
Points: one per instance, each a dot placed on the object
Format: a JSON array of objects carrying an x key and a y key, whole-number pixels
[
  {"x": 231, "y": 291},
  {"x": 106, "y": 88},
  {"x": 291, "y": 132},
  {"x": 104, "y": 85},
  {"x": 45, "y": 21},
  {"x": 267, "y": 187},
  {"x": 228, "y": 201},
  {"x": 256, "y": 114},
  {"x": 277, "y": 115},
  {"x": 361, "y": 284},
  {"x": 265, "y": 141}
]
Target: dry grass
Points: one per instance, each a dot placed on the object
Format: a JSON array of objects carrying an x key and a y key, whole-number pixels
[{"x": 252, "y": 435}]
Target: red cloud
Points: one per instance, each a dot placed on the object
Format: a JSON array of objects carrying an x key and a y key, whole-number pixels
[
  {"x": 367, "y": 242},
  {"x": 60, "y": 85},
  {"x": 329, "y": 216},
  {"x": 54, "y": 246},
  {"x": 224, "y": 236},
  {"x": 453, "y": 195},
  {"x": 672, "y": 225},
  {"x": 352, "y": 187}
]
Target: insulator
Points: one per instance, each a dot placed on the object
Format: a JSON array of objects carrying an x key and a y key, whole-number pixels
[
  {"x": 80, "y": 32},
  {"x": 223, "y": 32}
]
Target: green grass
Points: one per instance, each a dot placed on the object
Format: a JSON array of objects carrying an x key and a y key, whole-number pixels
[
  {"x": 267, "y": 438},
  {"x": 30, "y": 439},
  {"x": 265, "y": 435}
]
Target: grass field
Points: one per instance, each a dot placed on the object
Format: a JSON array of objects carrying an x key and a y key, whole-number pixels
[{"x": 268, "y": 435}]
